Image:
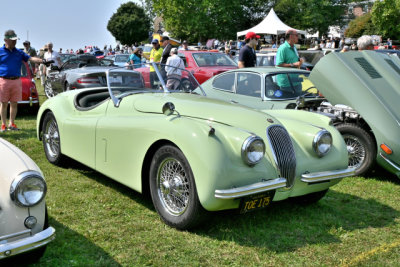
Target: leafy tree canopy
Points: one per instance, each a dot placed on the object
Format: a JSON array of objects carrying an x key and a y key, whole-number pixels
[
  {"x": 360, "y": 26},
  {"x": 129, "y": 24},
  {"x": 386, "y": 18}
]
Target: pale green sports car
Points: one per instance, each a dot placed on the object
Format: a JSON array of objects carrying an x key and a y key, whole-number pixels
[{"x": 195, "y": 154}]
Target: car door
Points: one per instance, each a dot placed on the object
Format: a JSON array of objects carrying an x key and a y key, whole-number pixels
[{"x": 248, "y": 89}]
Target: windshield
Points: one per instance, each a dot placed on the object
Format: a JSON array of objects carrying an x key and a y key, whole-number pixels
[
  {"x": 149, "y": 78},
  {"x": 213, "y": 59},
  {"x": 121, "y": 58},
  {"x": 288, "y": 85}
]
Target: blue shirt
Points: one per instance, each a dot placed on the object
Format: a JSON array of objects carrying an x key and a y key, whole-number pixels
[
  {"x": 11, "y": 61},
  {"x": 136, "y": 60}
]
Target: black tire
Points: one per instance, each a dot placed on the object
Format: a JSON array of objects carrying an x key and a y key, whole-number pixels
[
  {"x": 175, "y": 200},
  {"x": 361, "y": 147},
  {"x": 51, "y": 140},
  {"x": 309, "y": 198},
  {"x": 48, "y": 89}
]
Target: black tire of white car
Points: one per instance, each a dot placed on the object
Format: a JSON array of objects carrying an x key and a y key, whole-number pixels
[
  {"x": 169, "y": 194},
  {"x": 50, "y": 138},
  {"x": 361, "y": 147},
  {"x": 309, "y": 198},
  {"x": 48, "y": 90}
]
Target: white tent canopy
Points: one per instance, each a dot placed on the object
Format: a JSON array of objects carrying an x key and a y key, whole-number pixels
[{"x": 270, "y": 25}]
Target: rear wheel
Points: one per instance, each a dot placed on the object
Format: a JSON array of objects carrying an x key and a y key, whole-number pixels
[
  {"x": 360, "y": 145},
  {"x": 173, "y": 189},
  {"x": 51, "y": 140}
]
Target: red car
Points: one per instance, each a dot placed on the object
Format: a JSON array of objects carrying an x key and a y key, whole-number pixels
[
  {"x": 202, "y": 64},
  {"x": 206, "y": 64},
  {"x": 30, "y": 97}
]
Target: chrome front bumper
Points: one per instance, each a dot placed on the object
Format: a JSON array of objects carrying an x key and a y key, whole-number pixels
[
  {"x": 251, "y": 189},
  {"x": 26, "y": 244},
  {"x": 327, "y": 175}
]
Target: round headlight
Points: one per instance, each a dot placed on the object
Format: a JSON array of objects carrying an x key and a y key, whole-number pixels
[
  {"x": 322, "y": 143},
  {"x": 253, "y": 150},
  {"x": 28, "y": 189}
]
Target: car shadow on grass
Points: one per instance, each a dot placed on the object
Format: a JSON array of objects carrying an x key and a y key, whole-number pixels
[
  {"x": 77, "y": 243},
  {"x": 285, "y": 227}
]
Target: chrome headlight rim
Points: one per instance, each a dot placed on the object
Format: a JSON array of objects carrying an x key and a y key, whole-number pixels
[
  {"x": 246, "y": 144},
  {"x": 19, "y": 180},
  {"x": 316, "y": 141}
]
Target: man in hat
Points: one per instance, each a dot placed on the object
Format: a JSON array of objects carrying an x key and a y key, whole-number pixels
[
  {"x": 247, "y": 55},
  {"x": 166, "y": 54},
  {"x": 30, "y": 51},
  {"x": 10, "y": 82},
  {"x": 155, "y": 56}
]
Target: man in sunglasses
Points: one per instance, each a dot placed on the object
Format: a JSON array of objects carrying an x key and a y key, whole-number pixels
[{"x": 287, "y": 55}]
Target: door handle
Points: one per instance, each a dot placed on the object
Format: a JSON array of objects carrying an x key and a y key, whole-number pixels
[{"x": 234, "y": 102}]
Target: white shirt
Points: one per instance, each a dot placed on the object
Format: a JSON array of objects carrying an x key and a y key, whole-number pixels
[
  {"x": 52, "y": 56},
  {"x": 174, "y": 61}
]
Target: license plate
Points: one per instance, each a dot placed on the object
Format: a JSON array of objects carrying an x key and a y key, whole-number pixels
[
  {"x": 256, "y": 202},
  {"x": 116, "y": 79}
]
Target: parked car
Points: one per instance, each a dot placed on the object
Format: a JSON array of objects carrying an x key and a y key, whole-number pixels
[
  {"x": 389, "y": 52},
  {"x": 30, "y": 97},
  {"x": 195, "y": 154},
  {"x": 65, "y": 57},
  {"x": 262, "y": 89},
  {"x": 119, "y": 59},
  {"x": 269, "y": 59},
  {"x": 82, "y": 71},
  {"x": 24, "y": 225}
]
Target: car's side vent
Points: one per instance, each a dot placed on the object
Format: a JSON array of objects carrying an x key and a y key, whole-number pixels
[
  {"x": 394, "y": 66},
  {"x": 284, "y": 155},
  {"x": 372, "y": 72}
]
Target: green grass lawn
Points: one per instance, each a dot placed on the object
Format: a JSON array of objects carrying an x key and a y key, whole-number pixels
[{"x": 102, "y": 223}]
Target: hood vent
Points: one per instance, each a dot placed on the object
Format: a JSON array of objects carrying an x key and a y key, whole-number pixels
[
  {"x": 394, "y": 66},
  {"x": 372, "y": 72}
]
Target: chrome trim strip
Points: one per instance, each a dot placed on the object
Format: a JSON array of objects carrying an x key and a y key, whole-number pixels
[
  {"x": 5, "y": 237},
  {"x": 394, "y": 165},
  {"x": 28, "y": 102},
  {"x": 250, "y": 189},
  {"x": 26, "y": 244},
  {"x": 327, "y": 175}
]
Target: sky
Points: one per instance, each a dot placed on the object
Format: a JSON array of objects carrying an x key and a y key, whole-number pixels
[{"x": 66, "y": 23}]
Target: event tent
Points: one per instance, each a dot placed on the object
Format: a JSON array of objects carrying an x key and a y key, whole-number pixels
[{"x": 270, "y": 25}]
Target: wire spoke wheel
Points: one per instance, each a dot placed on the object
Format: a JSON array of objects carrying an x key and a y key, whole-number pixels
[
  {"x": 173, "y": 186},
  {"x": 48, "y": 89},
  {"x": 52, "y": 138},
  {"x": 355, "y": 150}
]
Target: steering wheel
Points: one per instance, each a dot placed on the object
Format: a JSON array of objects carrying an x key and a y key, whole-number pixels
[{"x": 306, "y": 93}]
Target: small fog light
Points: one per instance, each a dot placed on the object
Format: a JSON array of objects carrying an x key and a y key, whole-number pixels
[{"x": 30, "y": 222}]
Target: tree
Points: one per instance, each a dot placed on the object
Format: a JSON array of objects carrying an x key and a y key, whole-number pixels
[
  {"x": 360, "y": 26},
  {"x": 386, "y": 17},
  {"x": 311, "y": 15},
  {"x": 129, "y": 24}
]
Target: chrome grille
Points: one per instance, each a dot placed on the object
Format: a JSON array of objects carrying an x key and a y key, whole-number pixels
[{"x": 283, "y": 151}]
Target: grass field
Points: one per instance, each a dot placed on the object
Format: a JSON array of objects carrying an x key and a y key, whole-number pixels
[{"x": 102, "y": 223}]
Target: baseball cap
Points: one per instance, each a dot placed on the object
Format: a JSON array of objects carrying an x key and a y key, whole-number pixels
[
  {"x": 251, "y": 35},
  {"x": 11, "y": 35},
  {"x": 26, "y": 42},
  {"x": 155, "y": 41}
]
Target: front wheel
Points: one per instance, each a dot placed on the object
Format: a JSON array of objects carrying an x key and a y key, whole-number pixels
[
  {"x": 51, "y": 140},
  {"x": 361, "y": 147},
  {"x": 173, "y": 189}
]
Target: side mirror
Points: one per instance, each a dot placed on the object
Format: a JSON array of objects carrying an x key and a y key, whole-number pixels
[{"x": 168, "y": 108}]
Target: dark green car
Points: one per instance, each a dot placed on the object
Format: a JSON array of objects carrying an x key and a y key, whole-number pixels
[{"x": 359, "y": 91}]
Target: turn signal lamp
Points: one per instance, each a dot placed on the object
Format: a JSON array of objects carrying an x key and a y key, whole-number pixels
[{"x": 386, "y": 149}]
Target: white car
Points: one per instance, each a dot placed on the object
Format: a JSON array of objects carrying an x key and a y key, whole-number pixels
[{"x": 23, "y": 215}]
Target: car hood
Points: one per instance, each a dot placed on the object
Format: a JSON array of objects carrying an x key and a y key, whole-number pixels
[
  {"x": 96, "y": 69},
  {"x": 196, "y": 106},
  {"x": 365, "y": 80},
  {"x": 17, "y": 161}
]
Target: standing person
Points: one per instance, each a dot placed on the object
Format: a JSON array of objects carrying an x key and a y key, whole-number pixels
[
  {"x": 136, "y": 58},
  {"x": 166, "y": 53},
  {"x": 42, "y": 67},
  {"x": 287, "y": 55},
  {"x": 10, "y": 83},
  {"x": 247, "y": 55},
  {"x": 31, "y": 52},
  {"x": 174, "y": 74},
  {"x": 52, "y": 55},
  {"x": 365, "y": 42},
  {"x": 389, "y": 43},
  {"x": 155, "y": 56},
  {"x": 184, "y": 45}
]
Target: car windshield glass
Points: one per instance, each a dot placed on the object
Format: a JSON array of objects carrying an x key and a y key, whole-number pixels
[
  {"x": 311, "y": 57},
  {"x": 121, "y": 58},
  {"x": 149, "y": 78},
  {"x": 212, "y": 59},
  {"x": 24, "y": 71},
  {"x": 288, "y": 86}
]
